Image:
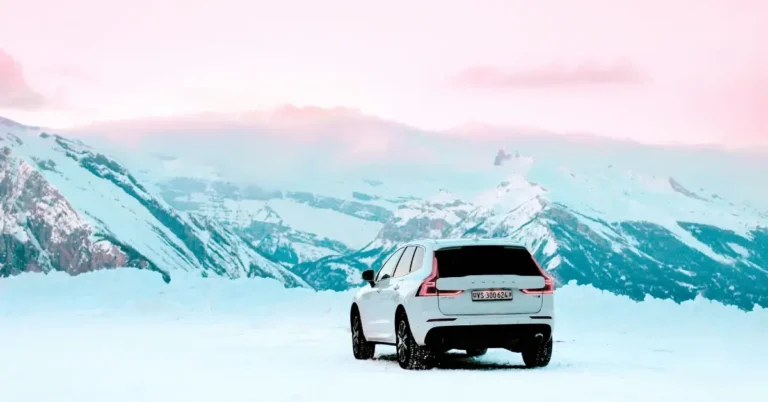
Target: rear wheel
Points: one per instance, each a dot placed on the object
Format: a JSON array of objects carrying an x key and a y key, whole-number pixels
[
  {"x": 410, "y": 355},
  {"x": 361, "y": 348},
  {"x": 538, "y": 354},
  {"x": 476, "y": 352}
]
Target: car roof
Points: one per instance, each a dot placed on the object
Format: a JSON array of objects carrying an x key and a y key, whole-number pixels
[{"x": 444, "y": 243}]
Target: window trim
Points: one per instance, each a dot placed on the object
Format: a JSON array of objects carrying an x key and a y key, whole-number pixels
[
  {"x": 410, "y": 263},
  {"x": 410, "y": 271},
  {"x": 378, "y": 279}
]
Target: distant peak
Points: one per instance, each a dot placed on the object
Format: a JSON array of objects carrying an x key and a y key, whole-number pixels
[
  {"x": 513, "y": 161},
  {"x": 503, "y": 155},
  {"x": 11, "y": 123},
  {"x": 8, "y": 122},
  {"x": 442, "y": 196}
]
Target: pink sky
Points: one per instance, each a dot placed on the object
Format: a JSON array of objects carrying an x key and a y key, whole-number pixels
[{"x": 671, "y": 71}]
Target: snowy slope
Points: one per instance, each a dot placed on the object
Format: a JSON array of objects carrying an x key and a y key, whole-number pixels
[
  {"x": 101, "y": 198},
  {"x": 290, "y": 227},
  {"x": 342, "y": 222},
  {"x": 236, "y": 340}
]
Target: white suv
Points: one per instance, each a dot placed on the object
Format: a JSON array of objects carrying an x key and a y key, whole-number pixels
[{"x": 432, "y": 296}]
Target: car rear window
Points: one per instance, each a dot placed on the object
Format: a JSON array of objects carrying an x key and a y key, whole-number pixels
[{"x": 485, "y": 260}]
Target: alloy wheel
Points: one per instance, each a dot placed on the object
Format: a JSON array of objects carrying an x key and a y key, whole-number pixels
[
  {"x": 402, "y": 344},
  {"x": 356, "y": 333}
]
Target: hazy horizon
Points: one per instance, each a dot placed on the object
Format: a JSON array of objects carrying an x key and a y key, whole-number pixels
[{"x": 128, "y": 130}]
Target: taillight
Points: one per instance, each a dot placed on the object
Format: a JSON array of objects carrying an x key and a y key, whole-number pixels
[
  {"x": 429, "y": 286},
  {"x": 549, "y": 284},
  {"x": 548, "y": 289}
]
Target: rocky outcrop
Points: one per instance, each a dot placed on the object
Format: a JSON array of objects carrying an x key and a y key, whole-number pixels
[{"x": 40, "y": 231}]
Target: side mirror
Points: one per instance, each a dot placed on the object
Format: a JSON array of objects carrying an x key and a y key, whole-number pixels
[{"x": 368, "y": 276}]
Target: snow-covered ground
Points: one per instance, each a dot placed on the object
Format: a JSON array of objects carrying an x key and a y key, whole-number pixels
[{"x": 126, "y": 336}]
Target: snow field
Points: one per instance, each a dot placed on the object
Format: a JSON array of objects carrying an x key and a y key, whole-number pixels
[{"x": 124, "y": 335}]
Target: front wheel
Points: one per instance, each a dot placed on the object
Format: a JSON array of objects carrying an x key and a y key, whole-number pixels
[
  {"x": 361, "y": 348},
  {"x": 538, "y": 354},
  {"x": 410, "y": 355}
]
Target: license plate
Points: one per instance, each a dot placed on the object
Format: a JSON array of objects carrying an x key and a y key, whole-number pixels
[{"x": 489, "y": 295}]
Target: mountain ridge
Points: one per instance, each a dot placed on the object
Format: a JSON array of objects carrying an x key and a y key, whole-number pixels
[
  {"x": 603, "y": 221},
  {"x": 114, "y": 210}
]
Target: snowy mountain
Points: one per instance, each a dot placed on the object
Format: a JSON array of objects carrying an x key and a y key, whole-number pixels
[
  {"x": 631, "y": 219},
  {"x": 673, "y": 243},
  {"x": 66, "y": 207},
  {"x": 635, "y": 258}
]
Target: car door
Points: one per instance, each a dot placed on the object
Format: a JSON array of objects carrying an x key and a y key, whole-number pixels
[
  {"x": 390, "y": 294},
  {"x": 375, "y": 308}
]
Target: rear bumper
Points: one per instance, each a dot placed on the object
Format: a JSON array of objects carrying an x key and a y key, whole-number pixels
[
  {"x": 489, "y": 331},
  {"x": 429, "y": 325},
  {"x": 508, "y": 336}
]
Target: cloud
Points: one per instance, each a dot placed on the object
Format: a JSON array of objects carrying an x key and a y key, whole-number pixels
[
  {"x": 553, "y": 76},
  {"x": 15, "y": 92}
]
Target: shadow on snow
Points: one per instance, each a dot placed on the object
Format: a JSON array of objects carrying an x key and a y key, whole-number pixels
[{"x": 458, "y": 361}]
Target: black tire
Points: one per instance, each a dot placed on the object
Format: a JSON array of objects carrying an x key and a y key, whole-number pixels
[
  {"x": 538, "y": 354},
  {"x": 361, "y": 348},
  {"x": 476, "y": 352},
  {"x": 410, "y": 355}
]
